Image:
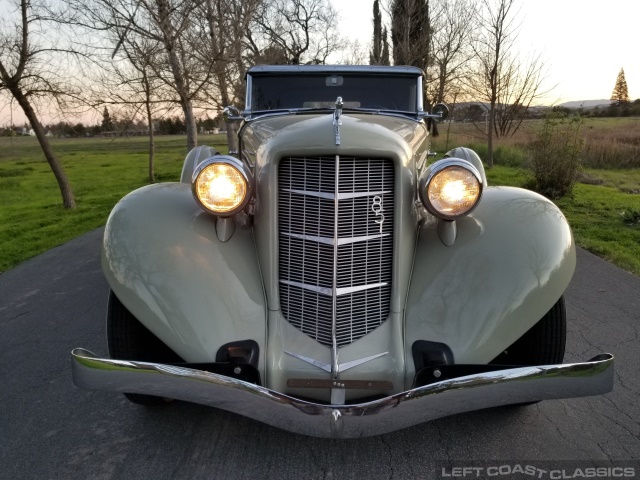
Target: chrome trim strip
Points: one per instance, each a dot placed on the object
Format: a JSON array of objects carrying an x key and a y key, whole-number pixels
[
  {"x": 328, "y": 196},
  {"x": 335, "y": 368},
  {"x": 359, "y": 288},
  {"x": 420, "y": 96},
  {"x": 334, "y": 292},
  {"x": 316, "y": 363},
  {"x": 332, "y": 196},
  {"x": 401, "y": 410},
  {"x": 347, "y": 196},
  {"x": 346, "y": 241},
  {"x": 248, "y": 95},
  {"x": 312, "y": 238},
  {"x": 354, "y": 363},
  {"x": 314, "y": 288},
  {"x": 329, "y": 241}
]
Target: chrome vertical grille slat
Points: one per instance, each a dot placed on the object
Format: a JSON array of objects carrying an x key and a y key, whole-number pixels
[{"x": 307, "y": 231}]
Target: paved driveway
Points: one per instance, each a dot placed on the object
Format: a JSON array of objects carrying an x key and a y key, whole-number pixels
[{"x": 49, "y": 429}]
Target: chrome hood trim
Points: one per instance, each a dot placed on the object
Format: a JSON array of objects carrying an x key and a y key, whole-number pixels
[{"x": 473, "y": 392}]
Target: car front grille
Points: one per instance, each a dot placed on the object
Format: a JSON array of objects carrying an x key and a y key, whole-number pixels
[{"x": 322, "y": 283}]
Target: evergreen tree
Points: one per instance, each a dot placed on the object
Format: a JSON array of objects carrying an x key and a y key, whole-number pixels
[
  {"x": 107, "y": 123},
  {"x": 620, "y": 92},
  {"x": 410, "y": 32},
  {"x": 380, "y": 44},
  {"x": 385, "y": 48},
  {"x": 376, "y": 46}
]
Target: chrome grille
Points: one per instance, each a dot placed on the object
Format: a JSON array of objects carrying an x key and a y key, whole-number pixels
[{"x": 360, "y": 283}]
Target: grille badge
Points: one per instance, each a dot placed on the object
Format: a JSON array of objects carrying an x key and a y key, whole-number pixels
[{"x": 377, "y": 208}]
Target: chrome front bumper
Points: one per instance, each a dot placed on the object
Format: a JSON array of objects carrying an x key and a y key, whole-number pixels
[{"x": 448, "y": 397}]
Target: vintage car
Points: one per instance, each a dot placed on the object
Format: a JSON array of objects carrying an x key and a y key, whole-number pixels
[{"x": 329, "y": 278}]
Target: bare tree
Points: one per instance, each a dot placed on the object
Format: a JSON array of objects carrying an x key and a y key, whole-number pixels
[
  {"x": 521, "y": 85},
  {"x": 144, "y": 86},
  {"x": 227, "y": 23},
  {"x": 171, "y": 25},
  {"x": 27, "y": 63},
  {"x": 354, "y": 53},
  {"x": 491, "y": 56},
  {"x": 125, "y": 77},
  {"x": 306, "y": 30},
  {"x": 172, "y": 21},
  {"x": 508, "y": 85},
  {"x": 453, "y": 25}
]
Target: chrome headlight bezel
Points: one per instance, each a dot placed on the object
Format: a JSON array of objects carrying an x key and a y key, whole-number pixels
[
  {"x": 438, "y": 168},
  {"x": 240, "y": 167}
]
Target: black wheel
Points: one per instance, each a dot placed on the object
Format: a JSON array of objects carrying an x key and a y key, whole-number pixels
[
  {"x": 128, "y": 339},
  {"x": 543, "y": 344}
]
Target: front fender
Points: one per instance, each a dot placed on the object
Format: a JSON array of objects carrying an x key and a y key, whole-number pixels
[
  {"x": 163, "y": 260},
  {"x": 511, "y": 261}
]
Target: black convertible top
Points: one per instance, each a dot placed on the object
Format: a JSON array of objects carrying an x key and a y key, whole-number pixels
[{"x": 319, "y": 69}]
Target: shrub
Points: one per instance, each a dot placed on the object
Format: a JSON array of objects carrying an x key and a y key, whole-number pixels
[
  {"x": 555, "y": 155},
  {"x": 509, "y": 155},
  {"x": 631, "y": 217}
]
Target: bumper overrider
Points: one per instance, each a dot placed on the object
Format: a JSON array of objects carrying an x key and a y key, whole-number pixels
[{"x": 418, "y": 405}]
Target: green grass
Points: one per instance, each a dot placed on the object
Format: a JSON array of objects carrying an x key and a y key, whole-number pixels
[
  {"x": 101, "y": 171},
  {"x": 600, "y": 218},
  {"x": 627, "y": 180}
]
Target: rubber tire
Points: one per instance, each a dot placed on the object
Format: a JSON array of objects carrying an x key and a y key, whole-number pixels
[
  {"x": 543, "y": 344},
  {"x": 128, "y": 339}
]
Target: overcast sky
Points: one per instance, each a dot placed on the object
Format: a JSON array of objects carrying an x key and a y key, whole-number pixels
[{"x": 585, "y": 42}]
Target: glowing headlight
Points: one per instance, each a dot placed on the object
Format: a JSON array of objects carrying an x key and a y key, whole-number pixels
[
  {"x": 450, "y": 188},
  {"x": 221, "y": 185}
]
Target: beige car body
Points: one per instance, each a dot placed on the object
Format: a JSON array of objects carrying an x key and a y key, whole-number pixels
[
  {"x": 512, "y": 259},
  {"x": 198, "y": 282}
]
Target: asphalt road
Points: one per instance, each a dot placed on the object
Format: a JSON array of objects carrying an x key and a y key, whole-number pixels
[{"x": 50, "y": 429}]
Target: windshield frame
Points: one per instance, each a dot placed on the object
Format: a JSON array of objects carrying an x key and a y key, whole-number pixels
[{"x": 292, "y": 72}]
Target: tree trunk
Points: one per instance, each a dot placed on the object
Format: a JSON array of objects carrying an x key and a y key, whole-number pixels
[
  {"x": 168, "y": 31},
  {"x": 231, "y": 126},
  {"x": 68, "y": 200},
  {"x": 492, "y": 112},
  {"x": 190, "y": 124},
  {"x": 152, "y": 147}
]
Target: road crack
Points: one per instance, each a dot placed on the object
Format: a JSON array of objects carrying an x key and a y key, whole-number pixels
[{"x": 390, "y": 461}]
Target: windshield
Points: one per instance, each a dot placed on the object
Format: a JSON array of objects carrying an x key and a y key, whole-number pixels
[{"x": 299, "y": 91}]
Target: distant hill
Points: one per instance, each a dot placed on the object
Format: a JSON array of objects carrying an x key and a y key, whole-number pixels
[
  {"x": 574, "y": 104},
  {"x": 586, "y": 104}
]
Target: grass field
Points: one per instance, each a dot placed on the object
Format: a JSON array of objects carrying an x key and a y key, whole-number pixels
[
  {"x": 609, "y": 142},
  {"x": 604, "y": 211},
  {"x": 101, "y": 172}
]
